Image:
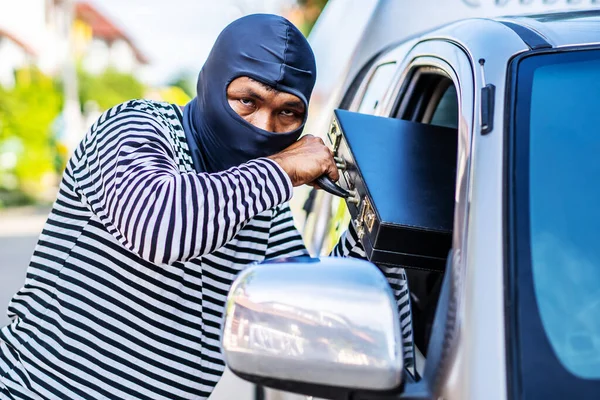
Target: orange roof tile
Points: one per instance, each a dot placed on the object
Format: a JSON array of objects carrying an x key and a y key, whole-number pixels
[
  {"x": 28, "y": 49},
  {"x": 103, "y": 28}
]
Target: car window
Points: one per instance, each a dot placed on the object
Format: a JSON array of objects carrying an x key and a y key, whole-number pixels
[
  {"x": 558, "y": 94},
  {"x": 446, "y": 111},
  {"x": 377, "y": 87},
  {"x": 430, "y": 98},
  {"x": 553, "y": 197}
]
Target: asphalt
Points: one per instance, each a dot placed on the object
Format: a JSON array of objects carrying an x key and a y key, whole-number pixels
[{"x": 19, "y": 230}]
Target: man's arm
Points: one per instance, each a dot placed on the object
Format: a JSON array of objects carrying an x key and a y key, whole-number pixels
[
  {"x": 129, "y": 179},
  {"x": 349, "y": 245},
  {"x": 285, "y": 239}
]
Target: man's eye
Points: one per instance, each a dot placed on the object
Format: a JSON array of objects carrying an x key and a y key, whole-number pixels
[
  {"x": 288, "y": 113},
  {"x": 247, "y": 102}
]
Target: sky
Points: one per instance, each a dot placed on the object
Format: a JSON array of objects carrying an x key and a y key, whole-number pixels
[{"x": 177, "y": 35}]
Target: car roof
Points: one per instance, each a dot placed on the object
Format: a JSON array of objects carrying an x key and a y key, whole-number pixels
[
  {"x": 561, "y": 29},
  {"x": 555, "y": 29}
]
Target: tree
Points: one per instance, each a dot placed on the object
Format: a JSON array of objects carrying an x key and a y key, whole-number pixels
[
  {"x": 311, "y": 9},
  {"x": 27, "y": 149},
  {"x": 108, "y": 88},
  {"x": 184, "y": 81}
]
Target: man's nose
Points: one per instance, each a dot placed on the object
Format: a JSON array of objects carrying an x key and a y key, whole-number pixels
[{"x": 264, "y": 120}]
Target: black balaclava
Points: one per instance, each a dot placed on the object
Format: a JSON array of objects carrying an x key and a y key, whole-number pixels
[{"x": 266, "y": 48}]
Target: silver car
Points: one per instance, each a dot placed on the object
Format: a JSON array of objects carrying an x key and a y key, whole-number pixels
[{"x": 517, "y": 313}]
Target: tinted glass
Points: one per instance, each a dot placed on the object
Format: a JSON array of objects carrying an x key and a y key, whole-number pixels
[
  {"x": 378, "y": 85},
  {"x": 446, "y": 112},
  {"x": 564, "y": 203}
]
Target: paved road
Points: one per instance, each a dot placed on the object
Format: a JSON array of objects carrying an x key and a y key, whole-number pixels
[
  {"x": 19, "y": 230},
  {"x": 14, "y": 256}
]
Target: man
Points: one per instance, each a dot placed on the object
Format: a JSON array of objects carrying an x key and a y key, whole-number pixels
[{"x": 158, "y": 210}]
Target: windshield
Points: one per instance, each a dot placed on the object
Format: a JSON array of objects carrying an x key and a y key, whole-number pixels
[
  {"x": 557, "y": 176},
  {"x": 564, "y": 204}
]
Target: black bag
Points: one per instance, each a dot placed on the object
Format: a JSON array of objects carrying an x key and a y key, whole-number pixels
[{"x": 402, "y": 176}]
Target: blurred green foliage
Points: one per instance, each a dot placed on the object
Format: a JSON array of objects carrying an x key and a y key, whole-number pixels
[
  {"x": 108, "y": 88},
  {"x": 186, "y": 82},
  {"x": 31, "y": 159},
  {"x": 27, "y": 149},
  {"x": 311, "y": 9}
]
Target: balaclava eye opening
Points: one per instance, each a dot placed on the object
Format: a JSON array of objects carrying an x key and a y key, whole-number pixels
[{"x": 266, "y": 48}]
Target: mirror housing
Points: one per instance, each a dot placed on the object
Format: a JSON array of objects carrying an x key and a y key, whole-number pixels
[{"x": 319, "y": 327}]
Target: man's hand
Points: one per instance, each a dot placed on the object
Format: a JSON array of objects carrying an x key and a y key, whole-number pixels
[{"x": 306, "y": 160}]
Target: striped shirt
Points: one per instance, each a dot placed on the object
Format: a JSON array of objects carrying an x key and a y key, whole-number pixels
[{"x": 125, "y": 291}]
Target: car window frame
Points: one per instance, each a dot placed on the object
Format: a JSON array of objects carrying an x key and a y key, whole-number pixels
[
  {"x": 403, "y": 83},
  {"x": 464, "y": 83},
  {"x": 359, "y": 95},
  {"x": 395, "y": 53}
]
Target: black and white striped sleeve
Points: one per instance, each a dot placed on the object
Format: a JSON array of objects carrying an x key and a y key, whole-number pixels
[
  {"x": 284, "y": 238},
  {"x": 349, "y": 245},
  {"x": 129, "y": 178}
]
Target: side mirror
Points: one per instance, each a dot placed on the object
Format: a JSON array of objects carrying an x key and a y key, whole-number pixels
[{"x": 321, "y": 327}]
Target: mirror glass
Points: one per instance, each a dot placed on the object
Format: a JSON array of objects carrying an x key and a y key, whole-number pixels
[{"x": 328, "y": 321}]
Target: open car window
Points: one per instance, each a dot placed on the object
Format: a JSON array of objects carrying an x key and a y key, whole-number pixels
[{"x": 430, "y": 98}]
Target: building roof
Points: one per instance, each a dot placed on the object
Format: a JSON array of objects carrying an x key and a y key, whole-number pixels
[
  {"x": 103, "y": 28},
  {"x": 28, "y": 49}
]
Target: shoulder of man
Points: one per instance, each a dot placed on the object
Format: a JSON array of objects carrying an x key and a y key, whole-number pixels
[
  {"x": 137, "y": 117},
  {"x": 161, "y": 112}
]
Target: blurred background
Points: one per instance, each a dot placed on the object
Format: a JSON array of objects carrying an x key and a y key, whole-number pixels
[{"x": 63, "y": 62}]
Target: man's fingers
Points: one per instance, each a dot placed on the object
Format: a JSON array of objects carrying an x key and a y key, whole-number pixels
[
  {"x": 332, "y": 171},
  {"x": 335, "y": 175},
  {"x": 307, "y": 159}
]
